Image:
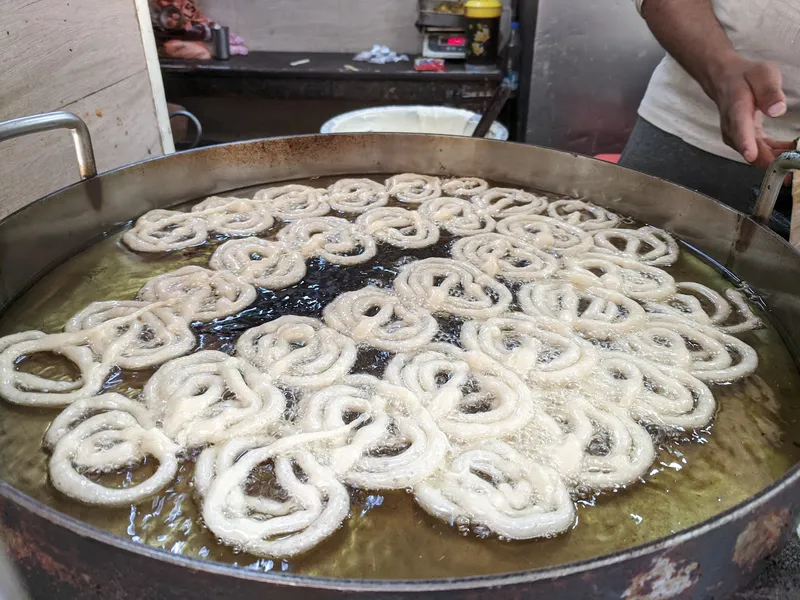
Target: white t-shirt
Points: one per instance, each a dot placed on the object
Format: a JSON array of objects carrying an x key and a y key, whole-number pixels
[{"x": 759, "y": 30}]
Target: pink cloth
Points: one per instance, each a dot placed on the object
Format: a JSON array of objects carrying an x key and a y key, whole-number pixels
[{"x": 183, "y": 31}]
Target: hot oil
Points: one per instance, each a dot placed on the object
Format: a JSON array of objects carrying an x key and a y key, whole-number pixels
[{"x": 753, "y": 440}]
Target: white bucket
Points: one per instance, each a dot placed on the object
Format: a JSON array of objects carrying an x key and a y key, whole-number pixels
[{"x": 411, "y": 119}]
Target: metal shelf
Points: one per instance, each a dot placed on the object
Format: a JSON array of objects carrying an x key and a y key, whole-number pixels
[{"x": 436, "y": 19}]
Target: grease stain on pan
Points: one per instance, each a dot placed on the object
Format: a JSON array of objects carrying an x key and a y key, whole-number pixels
[
  {"x": 760, "y": 538},
  {"x": 665, "y": 580},
  {"x": 292, "y": 152}
]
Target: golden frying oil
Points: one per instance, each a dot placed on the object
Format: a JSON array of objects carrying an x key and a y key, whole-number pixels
[{"x": 754, "y": 439}]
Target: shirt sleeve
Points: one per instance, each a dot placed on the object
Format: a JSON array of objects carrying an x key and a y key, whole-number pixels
[{"x": 639, "y": 4}]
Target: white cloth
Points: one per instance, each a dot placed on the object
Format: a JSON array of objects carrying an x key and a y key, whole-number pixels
[{"x": 759, "y": 30}]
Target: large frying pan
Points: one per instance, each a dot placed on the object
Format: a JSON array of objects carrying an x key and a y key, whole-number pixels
[{"x": 61, "y": 557}]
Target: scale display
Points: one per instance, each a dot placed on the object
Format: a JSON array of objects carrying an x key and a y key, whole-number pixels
[{"x": 445, "y": 45}]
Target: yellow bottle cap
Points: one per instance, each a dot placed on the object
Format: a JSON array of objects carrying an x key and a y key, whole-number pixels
[{"x": 483, "y": 9}]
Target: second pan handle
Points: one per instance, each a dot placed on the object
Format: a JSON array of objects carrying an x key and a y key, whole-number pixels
[
  {"x": 771, "y": 186},
  {"x": 56, "y": 120}
]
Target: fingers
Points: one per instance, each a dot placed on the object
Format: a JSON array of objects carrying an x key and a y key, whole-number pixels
[
  {"x": 769, "y": 150},
  {"x": 746, "y": 97},
  {"x": 767, "y": 84},
  {"x": 780, "y": 146},
  {"x": 766, "y": 154},
  {"x": 777, "y": 148},
  {"x": 739, "y": 126}
]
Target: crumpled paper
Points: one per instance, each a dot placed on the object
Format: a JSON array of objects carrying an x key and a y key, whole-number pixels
[{"x": 380, "y": 55}]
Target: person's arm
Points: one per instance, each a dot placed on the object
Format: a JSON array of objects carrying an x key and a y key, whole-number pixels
[{"x": 690, "y": 32}]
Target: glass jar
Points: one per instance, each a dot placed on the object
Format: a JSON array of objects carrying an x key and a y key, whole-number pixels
[{"x": 483, "y": 32}]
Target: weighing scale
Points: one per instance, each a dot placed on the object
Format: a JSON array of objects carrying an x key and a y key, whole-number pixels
[
  {"x": 439, "y": 42},
  {"x": 444, "y": 31}
]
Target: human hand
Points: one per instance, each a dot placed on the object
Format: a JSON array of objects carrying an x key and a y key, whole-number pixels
[
  {"x": 745, "y": 91},
  {"x": 768, "y": 148}
]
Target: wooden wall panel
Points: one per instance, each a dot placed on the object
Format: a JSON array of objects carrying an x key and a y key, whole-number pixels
[
  {"x": 85, "y": 56},
  {"x": 56, "y": 52}
]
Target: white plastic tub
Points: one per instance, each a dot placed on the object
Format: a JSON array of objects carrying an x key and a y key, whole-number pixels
[{"x": 411, "y": 119}]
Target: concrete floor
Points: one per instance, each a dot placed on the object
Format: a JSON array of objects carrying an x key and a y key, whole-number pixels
[{"x": 780, "y": 580}]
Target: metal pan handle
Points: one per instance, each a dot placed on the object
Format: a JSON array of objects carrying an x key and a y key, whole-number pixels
[
  {"x": 56, "y": 120},
  {"x": 771, "y": 186},
  {"x": 198, "y": 128}
]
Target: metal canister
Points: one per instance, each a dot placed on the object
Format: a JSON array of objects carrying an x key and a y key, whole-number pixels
[
  {"x": 483, "y": 31},
  {"x": 222, "y": 43}
]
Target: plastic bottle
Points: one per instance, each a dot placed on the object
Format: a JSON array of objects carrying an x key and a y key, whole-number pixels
[{"x": 513, "y": 53}]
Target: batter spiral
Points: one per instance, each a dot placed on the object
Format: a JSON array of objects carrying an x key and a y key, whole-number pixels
[
  {"x": 502, "y": 203},
  {"x": 313, "y": 505},
  {"x": 397, "y": 447},
  {"x": 547, "y": 234},
  {"x": 210, "y": 397},
  {"x": 542, "y": 351},
  {"x": 594, "y": 311},
  {"x": 381, "y": 319},
  {"x": 446, "y": 286},
  {"x": 108, "y": 441},
  {"x": 298, "y": 351},
  {"x": 356, "y": 195},
  {"x": 464, "y": 187},
  {"x": 599, "y": 446},
  {"x": 82, "y": 349},
  {"x": 336, "y": 240},
  {"x": 707, "y": 353},
  {"x": 235, "y": 217},
  {"x": 666, "y": 396},
  {"x": 506, "y": 257},
  {"x": 414, "y": 189},
  {"x": 690, "y": 302},
  {"x": 154, "y": 333},
  {"x": 630, "y": 277},
  {"x": 270, "y": 265},
  {"x": 490, "y": 484},
  {"x": 749, "y": 319},
  {"x": 200, "y": 294},
  {"x": 647, "y": 245},
  {"x": 87, "y": 407},
  {"x": 292, "y": 202},
  {"x": 582, "y": 214},
  {"x": 399, "y": 227},
  {"x": 459, "y": 217},
  {"x": 166, "y": 231},
  {"x": 469, "y": 395},
  {"x": 705, "y": 306}
]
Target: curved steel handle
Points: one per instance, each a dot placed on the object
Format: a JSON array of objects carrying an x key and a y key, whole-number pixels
[
  {"x": 198, "y": 128},
  {"x": 771, "y": 186},
  {"x": 56, "y": 120}
]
